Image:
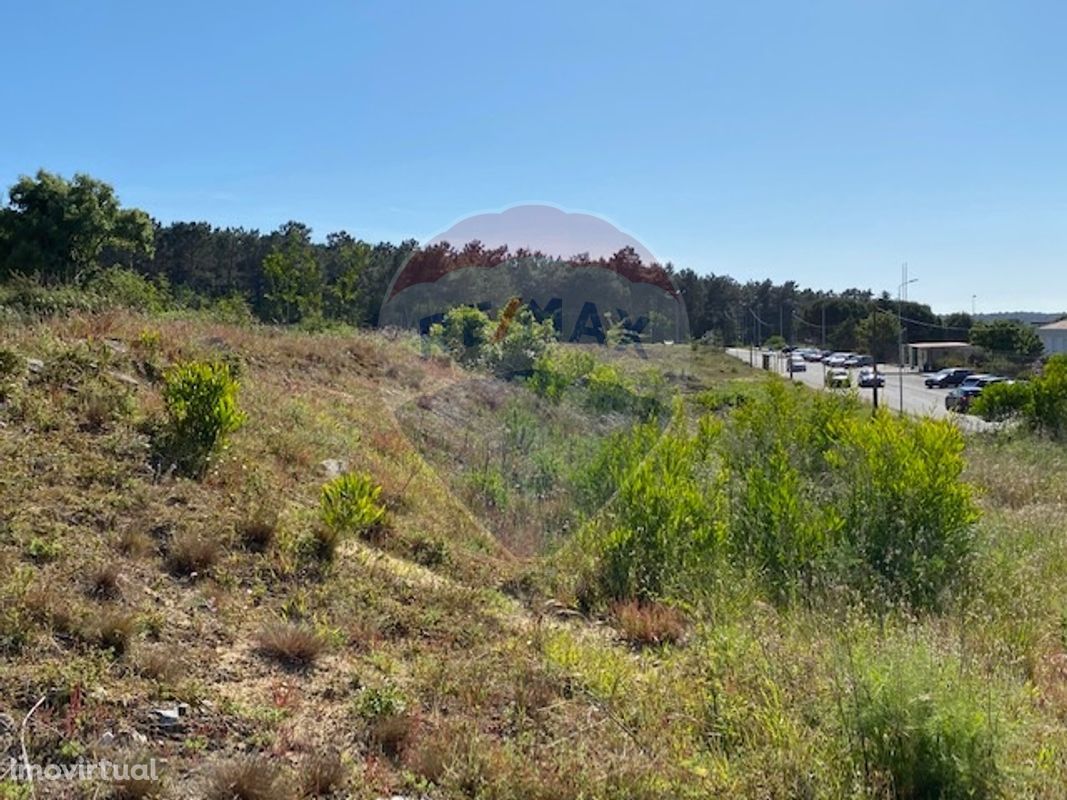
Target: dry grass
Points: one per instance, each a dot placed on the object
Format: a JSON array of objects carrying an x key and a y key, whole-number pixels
[
  {"x": 111, "y": 629},
  {"x": 391, "y": 733},
  {"x": 258, "y": 531},
  {"x": 248, "y": 778},
  {"x": 134, "y": 543},
  {"x": 104, "y": 581},
  {"x": 191, "y": 554},
  {"x": 290, "y": 644},
  {"x": 322, "y": 775},
  {"x": 160, "y": 663},
  {"x": 648, "y": 624}
]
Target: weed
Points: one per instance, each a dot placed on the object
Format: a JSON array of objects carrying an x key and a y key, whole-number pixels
[{"x": 350, "y": 504}]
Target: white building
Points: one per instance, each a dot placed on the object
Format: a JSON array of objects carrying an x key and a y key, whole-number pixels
[{"x": 1054, "y": 337}]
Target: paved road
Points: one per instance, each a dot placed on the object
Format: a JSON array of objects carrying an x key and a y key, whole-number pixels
[{"x": 917, "y": 398}]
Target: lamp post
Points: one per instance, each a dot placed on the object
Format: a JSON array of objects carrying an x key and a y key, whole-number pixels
[{"x": 900, "y": 330}]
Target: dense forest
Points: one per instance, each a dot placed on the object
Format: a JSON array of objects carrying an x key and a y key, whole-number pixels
[{"x": 57, "y": 230}]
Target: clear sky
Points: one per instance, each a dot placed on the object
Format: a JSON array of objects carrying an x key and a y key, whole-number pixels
[{"x": 825, "y": 142}]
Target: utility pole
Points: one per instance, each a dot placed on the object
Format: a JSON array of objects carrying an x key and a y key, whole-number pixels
[
  {"x": 824, "y": 325},
  {"x": 900, "y": 328}
]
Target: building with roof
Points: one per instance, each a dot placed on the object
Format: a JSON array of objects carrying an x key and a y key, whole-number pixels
[
  {"x": 932, "y": 356},
  {"x": 1054, "y": 336}
]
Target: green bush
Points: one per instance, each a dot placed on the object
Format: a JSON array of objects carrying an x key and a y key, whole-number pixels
[
  {"x": 1003, "y": 401},
  {"x": 1047, "y": 411},
  {"x": 798, "y": 489},
  {"x": 608, "y": 389},
  {"x": 128, "y": 289},
  {"x": 464, "y": 333},
  {"x": 558, "y": 369},
  {"x": 476, "y": 341},
  {"x": 350, "y": 503},
  {"x": 661, "y": 534},
  {"x": 200, "y": 398},
  {"x": 922, "y": 727},
  {"x": 10, "y": 363},
  {"x": 907, "y": 516}
]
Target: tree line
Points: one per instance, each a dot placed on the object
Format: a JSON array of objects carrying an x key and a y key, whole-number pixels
[{"x": 61, "y": 231}]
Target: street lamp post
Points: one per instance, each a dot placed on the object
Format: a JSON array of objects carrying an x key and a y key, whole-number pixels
[{"x": 900, "y": 329}]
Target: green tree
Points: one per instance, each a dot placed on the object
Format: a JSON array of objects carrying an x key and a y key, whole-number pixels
[
  {"x": 1007, "y": 338},
  {"x": 293, "y": 275},
  {"x": 60, "y": 228},
  {"x": 350, "y": 259},
  {"x": 879, "y": 335}
]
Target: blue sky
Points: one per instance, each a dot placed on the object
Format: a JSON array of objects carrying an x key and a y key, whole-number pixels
[{"x": 825, "y": 142}]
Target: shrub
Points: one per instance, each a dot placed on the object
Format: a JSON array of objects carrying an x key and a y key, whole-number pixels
[
  {"x": 350, "y": 504},
  {"x": 922, "y": 727},
  {"x": 509, "y": 347},
  {"x": 608, "y": 390},
  {"x": 662, "y": 532},
  {"x": 1047, "y": 411},
  {"x": 906, "y": 514},
  {"x": 1003, "y": 401},
  {"x": 558, "y": 369},
  {"x": 201, "y": 405},
  {"x": 10, "y": 363},
  {"x": 464, "y": 333},
  {"x": 123, "y": 287}
]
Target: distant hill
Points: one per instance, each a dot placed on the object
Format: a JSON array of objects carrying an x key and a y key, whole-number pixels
[{"x": 1032, "y": 317}]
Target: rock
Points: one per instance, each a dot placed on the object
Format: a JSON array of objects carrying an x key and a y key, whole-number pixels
[
  {"x": 170, "y": 717},
  {"x": 122, "y": 377},
  {"x": 116, "y": 346},
  {"x": 34, "y": 364},
  {"x": 332, "y": 467}
]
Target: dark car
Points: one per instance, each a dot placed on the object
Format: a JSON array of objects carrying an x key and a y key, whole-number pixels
[
  {"x": 960, "y": 398},
  {"x": 868, "y": 378},
  {"x": 947, "y": 378}
]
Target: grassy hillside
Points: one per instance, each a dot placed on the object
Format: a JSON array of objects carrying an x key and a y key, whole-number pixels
[{"x": 491, "y": 638}]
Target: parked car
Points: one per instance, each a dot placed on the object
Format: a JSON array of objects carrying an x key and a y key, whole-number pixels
[
  {"x": 948, "y": 378},
  {"x": 856, "y": 360},
  {"x": 812, "y": 355},
  {"x": 836, "y": 359},
  {"x": 983, "y": 379},
  {"x": 838, "y": 378},
  {"x": 868, "y": 378},
  {"x": 960, "y": 398},
  {"x": 797, "y": 364}
]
